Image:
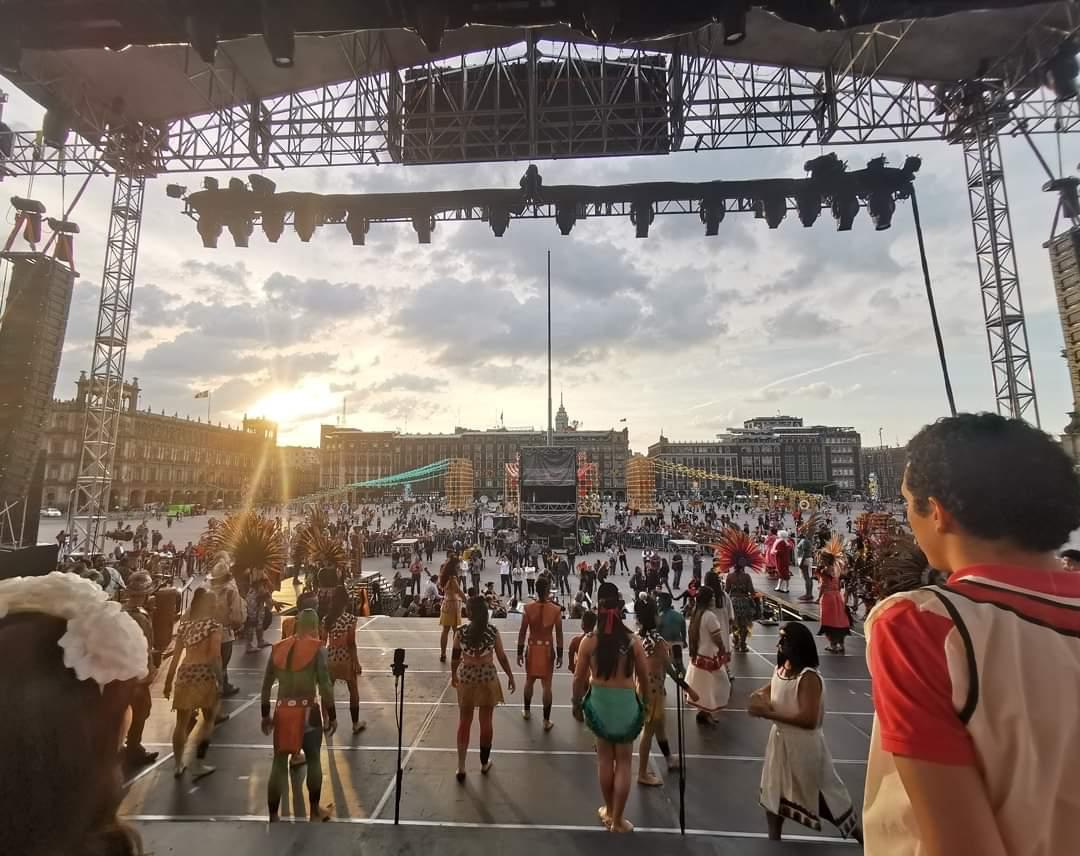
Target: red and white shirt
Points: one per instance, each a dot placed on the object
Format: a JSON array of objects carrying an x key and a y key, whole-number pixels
[{"x": 984, "y": 671}]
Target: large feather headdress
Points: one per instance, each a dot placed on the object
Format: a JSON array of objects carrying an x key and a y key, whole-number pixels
[
  {"x": 733, "y": 545},
  {"x": 252, "y": 544}
]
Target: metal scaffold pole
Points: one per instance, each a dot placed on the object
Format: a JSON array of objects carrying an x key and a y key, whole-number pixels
[
  {"x": 88, "y": 513},
  {"x": 999, "y": 279}
]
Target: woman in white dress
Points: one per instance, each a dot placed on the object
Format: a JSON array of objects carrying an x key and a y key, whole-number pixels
[
  {"x": 799, "y": 780},
  {"x": 709, "y": 655}
]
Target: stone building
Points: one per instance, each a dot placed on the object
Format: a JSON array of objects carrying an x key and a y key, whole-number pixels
[
  {"x": 886, "y": 465},
  {"x": 163, "y": 459}
]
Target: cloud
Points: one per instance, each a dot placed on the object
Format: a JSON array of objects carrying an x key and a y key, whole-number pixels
[
  {"x": 235, "y": 274},
  {"x": 796, "y": 323},
  {"x": 885, "y": 300},
  {"x": 409, "y": 383},
  {"x": 820, "y": 389},
  {"x": 767, "y": 393}
]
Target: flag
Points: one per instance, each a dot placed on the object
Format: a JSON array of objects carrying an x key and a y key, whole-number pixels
[
  {"x": 204, "y": 394},
  {"x": 623, "y": 419}
]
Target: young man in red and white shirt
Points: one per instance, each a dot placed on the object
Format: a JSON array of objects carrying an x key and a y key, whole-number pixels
[{"x": 976, "y": 736}]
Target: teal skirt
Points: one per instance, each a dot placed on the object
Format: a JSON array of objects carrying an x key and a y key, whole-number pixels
[{"x": 613, "y": 714}]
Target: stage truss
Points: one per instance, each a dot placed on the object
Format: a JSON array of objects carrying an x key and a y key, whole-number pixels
[
  {"x": 641, "y": 485},
  {"x": 712, "y": 103},
  {"x": 511, "y": 488},
  {"x": 459, "y": 485},
  {"x": 588, "y": 491}
]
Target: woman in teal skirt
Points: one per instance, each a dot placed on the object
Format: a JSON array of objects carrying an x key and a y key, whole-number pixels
[{"x": 611, "y": 664}]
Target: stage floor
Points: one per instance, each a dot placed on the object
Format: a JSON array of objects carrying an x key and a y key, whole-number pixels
[{"x": 543, "y": 786}]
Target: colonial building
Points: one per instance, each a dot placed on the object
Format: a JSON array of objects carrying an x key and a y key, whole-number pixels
[
  {"x": 351, "y": 455},
  {"x": 883, "y": 470},
  {"x": 776, "y": 449},
  {"x": 297, "y": 471},
  {"x": 163, "y": 459}
]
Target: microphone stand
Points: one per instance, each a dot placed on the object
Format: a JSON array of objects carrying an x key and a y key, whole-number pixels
[
  {"x": 680, "y": 741},
  {"x": 398, "y": 668}
]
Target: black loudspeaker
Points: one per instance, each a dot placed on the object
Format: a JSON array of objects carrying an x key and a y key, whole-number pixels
[
  {"x": 28, "y": 561},
  {"x": 21, "y": 516},
  {"x": 31, "y": 339}
]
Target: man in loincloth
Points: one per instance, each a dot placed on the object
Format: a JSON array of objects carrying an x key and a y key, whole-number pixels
[{"x": 538, "y": 621}]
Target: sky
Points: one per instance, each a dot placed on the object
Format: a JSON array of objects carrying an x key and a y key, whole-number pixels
[{"x": 677, "y": 333}]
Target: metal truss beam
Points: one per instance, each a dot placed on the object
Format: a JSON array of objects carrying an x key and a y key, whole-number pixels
[
  {"x": 88, "y": 513},
  {"x": 554, "y": 99},
  {"x": 999, "y": 279}
]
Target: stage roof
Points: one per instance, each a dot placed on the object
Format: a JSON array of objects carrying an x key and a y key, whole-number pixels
[{"x": 164, "y": 82}]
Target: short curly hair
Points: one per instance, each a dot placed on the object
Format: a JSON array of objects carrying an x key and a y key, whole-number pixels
[{"x": 1000, "y": 478}]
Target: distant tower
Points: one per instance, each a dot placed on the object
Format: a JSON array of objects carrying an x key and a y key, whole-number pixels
[{"x": 562, "y": 421}]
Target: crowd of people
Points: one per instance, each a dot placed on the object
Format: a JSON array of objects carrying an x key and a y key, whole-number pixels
[{"x": 972, "y": 645}]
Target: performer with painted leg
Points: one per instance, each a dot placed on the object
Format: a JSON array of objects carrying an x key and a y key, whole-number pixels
[
  {"x": 339, "y": 631},
  {"x": 540, "y": 618}
]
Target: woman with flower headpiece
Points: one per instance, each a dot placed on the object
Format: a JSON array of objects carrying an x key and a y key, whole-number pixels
[
  {"x": 195, "y": 671},
  {"x": 70, "y": 666},
  {"x": 835, "y": 621},
  {"x": 611, "y": 666}
]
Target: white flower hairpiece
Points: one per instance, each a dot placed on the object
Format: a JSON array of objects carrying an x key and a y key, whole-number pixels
[{"x": 102, "y": 643}]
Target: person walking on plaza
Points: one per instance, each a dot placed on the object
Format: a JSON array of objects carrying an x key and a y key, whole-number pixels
[
  {"x": 624, "y": 567},
  {"x": 298, "y": 665},
  {"x": 339, "y": 633},
  {"x": 416, "y": 569},
  {"x": 453, "y": 599},
  {"x": 476, "y": 647},
  {"x": 804, "y": 553},
  {"x": 740, "y": 590},
  {"x": 539, "y": 620},
  {"x": 677, "y": 569},
  {"x": 835, "y": 621},
  {"x": 139, "y": 587},
  {"x": 709, "y": 657},
  {"x": 505, "y": 584},
  {"x": 798, "y": 779},
  {"x": 517, "y": 576},
  {"x": 196, "y": 670},
  {"x": 611, "y": 666},
  {"x": 976, "y": 681},
  {"x": 782, "y": 556}
]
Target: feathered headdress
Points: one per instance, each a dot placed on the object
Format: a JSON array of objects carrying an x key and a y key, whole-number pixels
[
  {"x": 734, "y": 545},
  {"x": 320, "y": 549},
  {"x": 811, "y": 523},
  {"x": 252, "y": 543},
  {"x": 835, "y": 548},
  {"x": 900, "y": 565}
]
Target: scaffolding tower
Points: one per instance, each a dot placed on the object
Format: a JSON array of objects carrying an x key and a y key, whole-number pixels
[
  {"x": 641, "y": 485},
  {"x": 459, "y": 485},
  {"x": 511, "y": 488},
  {"x": 588, "y": 496}
]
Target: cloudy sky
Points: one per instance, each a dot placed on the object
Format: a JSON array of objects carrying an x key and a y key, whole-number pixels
[{"x": 677, "y": 332}]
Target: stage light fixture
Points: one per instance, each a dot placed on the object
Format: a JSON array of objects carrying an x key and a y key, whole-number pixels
[
  {"x": 305, "y": 219},
  {"x": 7, "y": 142},
  {"x": 774, "y": 209},
  {"x": 209, "y": 230},
  {"x": 880, "y": 205},
  {"x": 424, "y": 224},
  {"x": 1061, "y": 71},
  {"x": 566, "y": 215},
  {"x": 55, "y": 128},
  {"x": 175, "y": 191},
  {"x": 202, "y": 27},
  {"x": 825, "y": 167},
  {"x": 734, "y": 22},
  {"x": 240, "y": 227},
  {"x": 273, "y": 224},
  {"x": 278, "y": 32},
  {"x": 712, "y": 214},
  {"x": 642, "y": 215},
  {"x": 845, "y": 208},
  {"x": 808, "y": 203},
  {"x": 499, "y": 220},
  {"x": 210, "y": 183},
  {"x": 237, "y": 185},
  {"x": 357, "y": 226},
  {"x": 261, "y": 184},
  {"x": 31, "y": 212}
]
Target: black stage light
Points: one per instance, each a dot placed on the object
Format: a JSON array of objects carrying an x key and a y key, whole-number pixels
[
  {"x": 881, "y": 206},
  {"x": 499, "y": 220},
  {"x": 55, "y": 128},
  {"x": 825, "y": 167},
  {"x": 357, "y": 227},
  {"x": 808, "y": 202},
  {"x": 424, "y": 224},
  {"x": 273, "y": 224},
  {"x": 7, "y": 142},
  {"x": 912, "y": 164},
  {"x": 209, "y": 230},
  {"x": 175, "y": 191},
  {"x": 712, "y": 215},
  {"x": 240, "y": 227},
  {"x": 202, "y": 28},
  {"x": 775, "y": 209},
  {"x": 278, "y": 32},
  {"x": 261, "y": 184},
  {"x": 210, "y": 183},
  {"x": 1061, "y": 71},
  {"x": 305, "y": 219},
  {"x": 642, "y": 215},
  {"x": 566, "y": 215},
  {"x": 845, "y": 207},
  {"x": 237, "y": 185},
  {"x": 734, "y": 22},
  {"x": 32, "y": 212}
]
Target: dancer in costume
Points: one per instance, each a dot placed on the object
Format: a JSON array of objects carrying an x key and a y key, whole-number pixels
[
  {"x": 709, "y": 656},
  {"x": 737, "y": 553},
  {"x": 339, "y": 633},
  {"x": 196, "y": 670},
  {"x": 298, "y": 665},
  {"x": 605, "y": 696},
  {"x": 452, "y": 603},
  {"x": 140, "y": 586},
  {"x": 539, "y": 619},
  {"x": 71, "y": 659},
  {"x": 835, "y": 621},
  {"x": 658, "y": 653},
  {"x": 476, "y": 647},
  {"x": 799, "y": 780}
]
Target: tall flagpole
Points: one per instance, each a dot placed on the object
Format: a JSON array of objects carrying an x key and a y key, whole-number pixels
[
  {"x": 549, "y": 343},
  {"x": 209, "y": 395}
]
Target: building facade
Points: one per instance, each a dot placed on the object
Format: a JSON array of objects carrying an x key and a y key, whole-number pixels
[
  {"x": 351, "y": 455},
  {"x": 883, "y": 470},
  {"x": 776, "y": 449},
  {"x": 162, "y": 459}
]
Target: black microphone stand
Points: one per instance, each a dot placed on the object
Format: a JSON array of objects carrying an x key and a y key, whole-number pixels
[
  {"x": 680, "y": 741},
  {"x": 398, "y": 668}
]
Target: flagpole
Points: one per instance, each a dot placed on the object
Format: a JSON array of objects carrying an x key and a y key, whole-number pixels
[
  {"x": 549, "y": 343},
  {"x": 208, "y": 396}
]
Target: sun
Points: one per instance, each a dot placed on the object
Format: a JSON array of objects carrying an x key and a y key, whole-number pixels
[{"x": 285, "y": 406}]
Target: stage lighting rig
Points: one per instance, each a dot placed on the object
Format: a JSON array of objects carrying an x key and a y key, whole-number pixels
[
  {"x": 278, "y": 32},
  {"x": 306, "y": 219},
  {"x": 209, "y": 230},
  {"x": 879, "y": 199},
  {"x": 210, "y": 183},
  {"x": 808, "y": 204},
  {"x": 642, "y": 215},
  {"x": 357, "y": 226},
  {"x": 273, "y": 223},
  {"x": 31, "y": 212},
  {"x": 424, "y": 224},
  {"x": 772, "y": 207},
  {"x": 175, "y": 191},
  {"x": 566, "y": 215},
  {"x": 499, "y": 219},
  {"x": 1061, "y": 71},
  {"x": 261, "y": 184},
  {"x": 65, "y": 231},
  {"x": 845, "y": 208},
  {"x": 734, "y": 21},
  {"x": 712, "y": 213}
]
